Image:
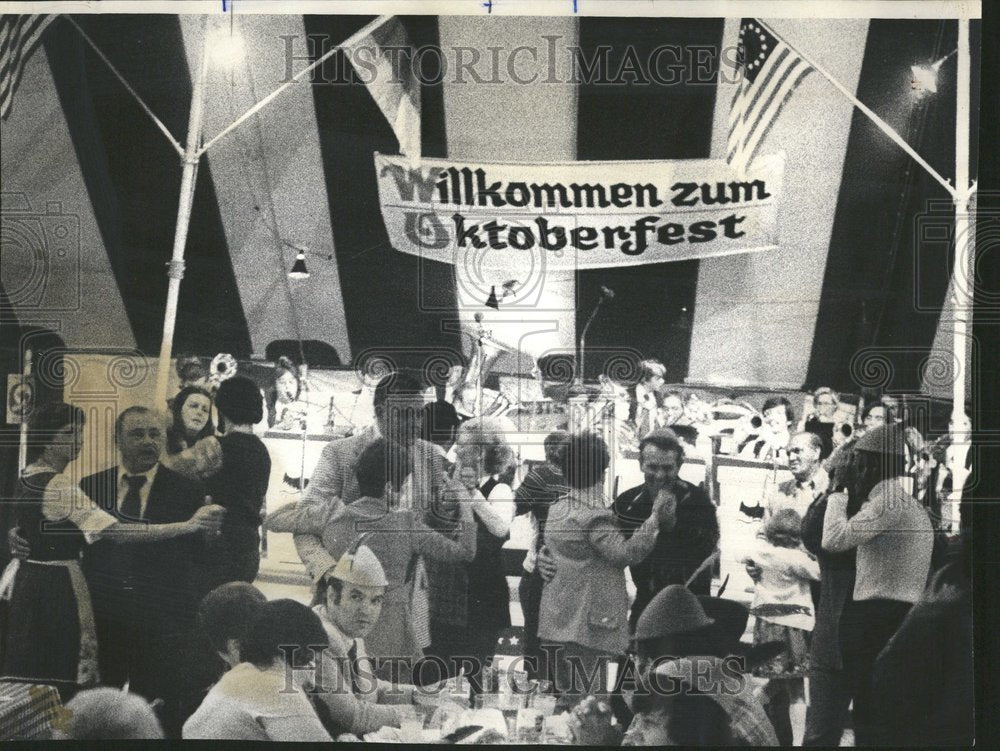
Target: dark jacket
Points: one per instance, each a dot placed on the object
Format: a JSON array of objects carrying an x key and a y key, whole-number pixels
[
  {"x": 543, "y": 486},
  {"x": 677, "y": 553},
  {"x": 155, "y": 584},
  {"x": 924, "y": 676}
]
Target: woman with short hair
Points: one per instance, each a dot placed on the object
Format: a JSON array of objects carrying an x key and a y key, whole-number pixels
[
  {"x": 770, "y": 441},
  {"x": 264, "y": 698},
  {"x": 583, "y": 618},
  {"x": 240, "y": 485},
  {"x": 483, "y": 458}
]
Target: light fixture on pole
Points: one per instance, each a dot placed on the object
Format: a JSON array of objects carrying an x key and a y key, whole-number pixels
[
  {"x": 226, "y": 47},
  {"x": 924, "y": 79}
]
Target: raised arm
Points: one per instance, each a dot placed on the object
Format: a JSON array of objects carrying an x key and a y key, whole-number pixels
[
  {"x": 297, "y": 518},
  {"x": 879, "y": 514},
  {"x": 435, "y": 546},
  {"x": 803, "y": 565},
  {"x": 607, "y": 539},
  {"x": 326, "y": 487},
  {"x": 63, "y": 500},
  {"x": 530, "y": 494},
  {"x": 205, "y": 519},
  {"x": 496, "y": 511}
]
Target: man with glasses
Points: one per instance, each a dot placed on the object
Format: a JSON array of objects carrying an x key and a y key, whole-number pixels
[{"x": 809, "y": 479}]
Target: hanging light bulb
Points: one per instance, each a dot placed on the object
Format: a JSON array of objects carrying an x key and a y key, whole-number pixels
[
  {"x": 299, "y": 270},
  {"x": 924, "y": 77},
  {"x": 226, "y": 47}
]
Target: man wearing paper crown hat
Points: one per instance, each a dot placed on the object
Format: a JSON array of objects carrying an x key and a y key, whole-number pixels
[{"x": 353, "y": 699}]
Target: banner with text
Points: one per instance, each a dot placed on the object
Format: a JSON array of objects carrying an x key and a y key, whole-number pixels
[{"x": 578, "y": 215}]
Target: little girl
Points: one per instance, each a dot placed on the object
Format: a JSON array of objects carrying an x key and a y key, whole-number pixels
[{"x": 783, "y": 610}]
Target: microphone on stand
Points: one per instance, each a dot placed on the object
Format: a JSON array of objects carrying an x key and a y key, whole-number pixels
[{"x": 606, "y": 294}]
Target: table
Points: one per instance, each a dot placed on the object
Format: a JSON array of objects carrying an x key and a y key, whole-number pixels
[
  {"x": 452, "y": 723},
  {"x": 28, "y": 711}
]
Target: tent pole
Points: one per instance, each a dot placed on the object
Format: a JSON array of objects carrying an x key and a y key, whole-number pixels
[
  {"x": 878, "y": 121},
  {"x": 964, "y": 250},
  {"x": 175, "y": 268}
]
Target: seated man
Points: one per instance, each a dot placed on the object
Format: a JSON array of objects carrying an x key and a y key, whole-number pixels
[
  {"x": 109, "y": 714},
  {"x": 223, "y": 620},
  {"x": 349, "y": 693}
]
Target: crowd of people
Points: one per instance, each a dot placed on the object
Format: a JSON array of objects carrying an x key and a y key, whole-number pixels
[{"x": 138, "y": 580}]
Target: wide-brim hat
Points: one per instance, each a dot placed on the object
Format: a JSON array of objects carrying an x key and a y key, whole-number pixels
[
  {"x": 730, "y": 617},
  {"x": 674, "y": 610},
  {"x": 884, "y": 439}
]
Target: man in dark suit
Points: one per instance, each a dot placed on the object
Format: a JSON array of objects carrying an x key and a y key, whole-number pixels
[
  {"x": 692, "y": 538},
  {"x": 145, "y": 597}
]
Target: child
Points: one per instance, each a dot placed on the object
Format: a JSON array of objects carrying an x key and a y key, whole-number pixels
[{"x": 783, "y": 611}]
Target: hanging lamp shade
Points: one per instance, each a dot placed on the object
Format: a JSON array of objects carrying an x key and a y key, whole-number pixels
[
  {"x": 491, "y": 301},
  {"x": 299, "y": 270}
]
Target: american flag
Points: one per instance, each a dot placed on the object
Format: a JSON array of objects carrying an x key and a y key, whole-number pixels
[
  {"x": 769, "y": 72},
  {"x": 19, "y": 35}
]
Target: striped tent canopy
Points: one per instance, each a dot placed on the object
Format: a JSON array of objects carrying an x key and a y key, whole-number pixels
[{"x": 852, "y": 298}]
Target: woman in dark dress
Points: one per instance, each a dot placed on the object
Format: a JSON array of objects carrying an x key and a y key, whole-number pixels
[
  {"x": 49, "y": 635},
  {"x": 240, "y": 486}
]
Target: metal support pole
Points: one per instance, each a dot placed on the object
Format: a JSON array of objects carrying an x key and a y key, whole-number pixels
[
  {"x": 962, "y": 286},
  {"x": 175, "y": 267},
  {"x": 27, "y": 387}
]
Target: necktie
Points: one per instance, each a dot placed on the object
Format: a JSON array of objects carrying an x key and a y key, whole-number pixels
[
  {"x": 131, "y": 505},
  {"x": 352, "y": 668}
]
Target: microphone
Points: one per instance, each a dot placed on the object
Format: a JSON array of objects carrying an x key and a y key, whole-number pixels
[
  {"x": 607, "y": 292},
  {"x": 480, "y": 328}
]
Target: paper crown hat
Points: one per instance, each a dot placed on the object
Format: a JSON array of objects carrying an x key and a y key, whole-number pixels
[{"x": 360, "y": 566}]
